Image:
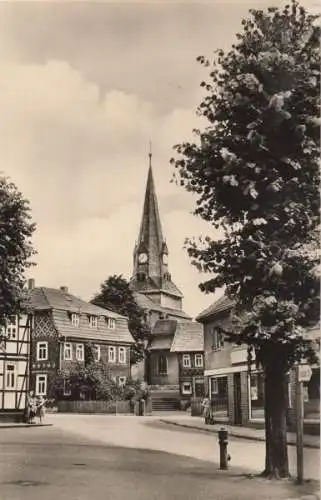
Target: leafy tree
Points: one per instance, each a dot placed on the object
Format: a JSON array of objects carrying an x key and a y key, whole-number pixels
[
  {"x": 255, "y": 172},
  {"x": 116, "y": 295},
  {"x": 16, "y": 249},
  {"x": 90, "y": 382}
]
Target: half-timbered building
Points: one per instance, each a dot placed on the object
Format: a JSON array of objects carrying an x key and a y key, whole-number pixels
[
  {"x": 63, "y": 325},
  {"x": 14, "y": 368}
]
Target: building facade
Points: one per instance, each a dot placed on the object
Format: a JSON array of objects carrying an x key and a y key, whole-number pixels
[
  {"x": 176, "y": 357},
  {"x": 14, "y": 368},
  {"x": 238, "y": 395},
  {"x": 64, "y": 326}
]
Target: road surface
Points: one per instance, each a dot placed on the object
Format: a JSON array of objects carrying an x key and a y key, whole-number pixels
[
  {"x": 147, "y": 433},
  {"x": 57, "y": 463}
]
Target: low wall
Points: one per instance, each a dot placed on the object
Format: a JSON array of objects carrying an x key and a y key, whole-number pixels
[{"x": 106, "y": 407}]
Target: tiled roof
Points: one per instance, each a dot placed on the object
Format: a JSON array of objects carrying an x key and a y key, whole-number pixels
[
  {"x": 160, "y": 343},
  {"x": 119, "y": 334},
  {"x": 63, "y": 304},
  {"x": 146, "y": 303},
  {"x": 165, "y": 327},
  {"x": 188, "y": 337},
  {"x": 220, "y": 305},
  {"x": 43, "y": 298}
]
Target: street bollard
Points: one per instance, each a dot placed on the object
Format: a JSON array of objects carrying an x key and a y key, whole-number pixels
[{"x": 223, "y": 442}]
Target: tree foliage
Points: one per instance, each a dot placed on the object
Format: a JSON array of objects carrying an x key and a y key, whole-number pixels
[
  {"x": 16, "y": 230},
  {"x": 255, "y": 172},
  {"x": 116, "y": 295},
  {"x": 93, "y": 382}
]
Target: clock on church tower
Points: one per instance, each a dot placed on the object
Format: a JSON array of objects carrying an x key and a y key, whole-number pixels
[
  {"x": 142, "y": 258},
  {"x": 165, "y": 258}
]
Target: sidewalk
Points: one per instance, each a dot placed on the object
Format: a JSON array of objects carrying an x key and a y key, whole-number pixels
[
  {"x": 20, "y": 425},
  {"x": 197, "y": 423}
]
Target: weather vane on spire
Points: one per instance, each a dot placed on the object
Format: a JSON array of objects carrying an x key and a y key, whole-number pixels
[{"x": 150, "y": 153}]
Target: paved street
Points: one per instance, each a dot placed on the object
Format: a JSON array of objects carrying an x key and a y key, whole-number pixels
[
  {"x": 147, "y": 433},
  {"x": 84, "y": 457}
]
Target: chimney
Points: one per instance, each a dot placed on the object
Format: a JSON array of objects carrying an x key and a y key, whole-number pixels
[
  {"x": 64, "y": 289},
  {"x": 31, "y": 283}
]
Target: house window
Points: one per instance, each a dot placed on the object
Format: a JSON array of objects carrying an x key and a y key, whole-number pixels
[
  {"x": 67, "y": 351},
  {"x": 162, "y": 365},
  {"x": 186, "y": 361},
  {"x": 111, "y": 323},
  {"x": 11, "y": 376},
  {"x": 80, "y": 352},
  {"x": 218, "y": 340},
  {"x": 75, "y": 320},
  {"x": 122, "y": 355},
  {"x": 93, "y": 322},
  {"x": 41, "y": 385},
  {"x": 97, "y": 352},
  {"x": 12, "y": 327},
  {"x": 42, "y": 351},
  {"x": 122, "y": 380},
  {"x": 67, "y": 387},
  {"x": 186, "y": 388},
  {"x": 111, "y": 354},
  {"x": 199, "y": 360}
]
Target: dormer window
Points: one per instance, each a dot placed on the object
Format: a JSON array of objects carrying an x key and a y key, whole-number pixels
[
  {"x": 93, "y": 321},
  {"x": 75, "y": 320},
  {"x": 111, "y": 323}
]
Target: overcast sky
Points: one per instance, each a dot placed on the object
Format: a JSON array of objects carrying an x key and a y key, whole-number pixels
[{"x": 83, "y": 87}]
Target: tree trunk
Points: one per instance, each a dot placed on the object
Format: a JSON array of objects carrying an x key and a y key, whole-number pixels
[{"x": 276, "y": 458}]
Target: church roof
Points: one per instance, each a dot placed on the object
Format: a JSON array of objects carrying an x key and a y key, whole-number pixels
[
  {"x": 153, "y": 283},
  {"x": 150, "y": 233},
  {"x": 146, "y": 303}
]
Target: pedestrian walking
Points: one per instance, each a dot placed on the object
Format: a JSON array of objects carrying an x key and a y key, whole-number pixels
[
  {"x": 206, "y": 405},
  {"x": 31, "y": 408},
  {"x": 41, "y": 408}
]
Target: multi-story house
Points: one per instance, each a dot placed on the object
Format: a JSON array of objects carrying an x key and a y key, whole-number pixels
[
  {"x": 238, "y": 395},
  {"x": 62, "y": 327},
  {"x": 14, "y": 368},
  {"x": 176, "y": 358}
]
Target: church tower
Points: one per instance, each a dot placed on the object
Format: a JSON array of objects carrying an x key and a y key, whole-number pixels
[{"x": 151, "y": 275}]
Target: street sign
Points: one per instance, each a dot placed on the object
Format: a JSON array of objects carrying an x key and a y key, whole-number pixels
[{"x": 304, "y": 373}]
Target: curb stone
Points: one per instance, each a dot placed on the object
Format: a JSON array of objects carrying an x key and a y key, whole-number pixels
[
  {"x": 23, "y": 426},
  {"x": 232, "y": 434}
]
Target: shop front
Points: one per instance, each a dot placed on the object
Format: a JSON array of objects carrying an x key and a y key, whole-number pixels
[{"x": 219, "y": 397}]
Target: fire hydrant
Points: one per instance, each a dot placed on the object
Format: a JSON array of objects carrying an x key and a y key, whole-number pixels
[{"x": 223, "y": 442}]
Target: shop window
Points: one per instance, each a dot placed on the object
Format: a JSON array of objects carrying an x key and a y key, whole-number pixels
[
  {"x": 256, "y": 395},
  {"x": 312, "y": 396}
]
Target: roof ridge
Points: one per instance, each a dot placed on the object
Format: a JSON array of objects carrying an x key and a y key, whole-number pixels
[{"x": 45, "y": 296}]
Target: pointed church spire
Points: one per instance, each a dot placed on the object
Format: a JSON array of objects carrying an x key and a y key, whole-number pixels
[
  {"x": 150, "y": 240},
  {"x": 150, "y": 273}
]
